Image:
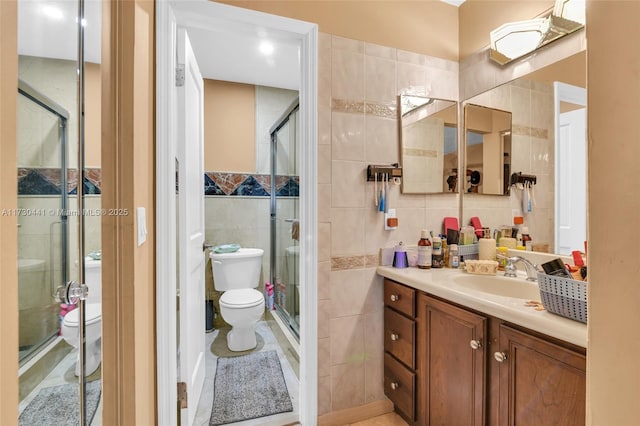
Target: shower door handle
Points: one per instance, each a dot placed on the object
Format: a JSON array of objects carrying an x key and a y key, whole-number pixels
[{"x": 52, "y": 284}]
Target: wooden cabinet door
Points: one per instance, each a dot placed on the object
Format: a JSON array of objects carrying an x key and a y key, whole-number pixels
[
  {"x": 541, "y": 383},
  {"x": 451, "y": 371}
]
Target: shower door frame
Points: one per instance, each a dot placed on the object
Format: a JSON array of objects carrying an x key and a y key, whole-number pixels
[
  {"x": 53, "y": 107},
  {"x": 283, "y": 120}
]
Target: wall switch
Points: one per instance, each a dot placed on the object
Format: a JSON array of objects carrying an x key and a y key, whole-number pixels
[
  {"x": 390, "y": 220},
  {"x": 141, "y": 217}
]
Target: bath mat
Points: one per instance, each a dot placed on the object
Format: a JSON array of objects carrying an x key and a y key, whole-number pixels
[
  {"x": 248, "y": 387},
  {"x": 58, "y": 405}
]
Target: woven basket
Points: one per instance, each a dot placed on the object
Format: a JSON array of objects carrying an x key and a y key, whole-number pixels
[{"x": 564, "y": 297}]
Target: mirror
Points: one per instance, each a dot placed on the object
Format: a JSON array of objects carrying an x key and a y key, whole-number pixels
[
  {"x": 540, "y": 149},
  {"x": 428, "y": 144},
  {"x": 487, "y": 134}
]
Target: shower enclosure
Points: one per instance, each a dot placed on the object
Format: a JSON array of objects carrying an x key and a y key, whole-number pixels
[
  {"x": 42, "y": 216},
  {"x": 285, "y": 228}
]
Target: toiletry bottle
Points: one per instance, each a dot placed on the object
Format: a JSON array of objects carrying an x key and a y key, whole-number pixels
[
  {"x": 502, "y": 257},
  {"x": 445, "y": 252},
  {"x": 436, "y": 258},
  {"x": 453, "y": 256},
  {"x": 425, "y": 250},
  {"x": 526, "y": 239}
]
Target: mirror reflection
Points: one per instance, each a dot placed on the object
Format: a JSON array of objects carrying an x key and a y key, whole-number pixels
[
  {"x": 548, "y": 142},
  {"x": 428, "y": 144},
  {"x": 488, "y": 150}
]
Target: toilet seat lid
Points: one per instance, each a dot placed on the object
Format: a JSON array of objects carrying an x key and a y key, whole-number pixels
[
  {"x": 92, "y": 314},
  {"x": 242, "y": 298}
]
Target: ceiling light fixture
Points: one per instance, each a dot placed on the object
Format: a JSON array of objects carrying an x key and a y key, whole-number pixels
[
  {"x": 266, "y": 48},
  {"x": 52, "y": 12},
  {"x": 516, "y": 39}
]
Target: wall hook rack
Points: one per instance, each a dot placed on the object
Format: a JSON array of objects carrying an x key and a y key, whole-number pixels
[
  {"x": 522, "y": 178},
  {"x": 390, "y": 170}
]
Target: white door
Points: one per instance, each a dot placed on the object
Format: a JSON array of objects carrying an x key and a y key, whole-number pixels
[
  {"x": 571, "y": 167},
  {"x": 191, "y": 261},
  {"x": 571, "y": 178}
]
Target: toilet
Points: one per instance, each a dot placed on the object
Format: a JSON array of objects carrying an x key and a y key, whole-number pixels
[
  {"x": 237, "y": 275},
  {"x": 93, "y": 319}
]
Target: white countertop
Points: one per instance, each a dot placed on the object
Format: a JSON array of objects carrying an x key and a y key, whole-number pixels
[{"x": 440, "y": 282}]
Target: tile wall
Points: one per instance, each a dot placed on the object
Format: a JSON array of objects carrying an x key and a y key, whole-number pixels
[{"x": 357, "y": 89}]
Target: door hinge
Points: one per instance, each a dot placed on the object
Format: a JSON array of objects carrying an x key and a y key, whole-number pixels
[
  {"x": 182, "y": 394},
  {"x": 180, "y": 75}
]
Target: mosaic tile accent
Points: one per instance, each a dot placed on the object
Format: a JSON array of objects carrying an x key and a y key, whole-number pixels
[
  {"x": 47, "y": 181},
  {"x": 530, "y": 131},
  {"x": 249, "y": 185},
  {"x": 386, "y": 110},
  {"x": 416, "y": 152},
  {"x": 354, "y": 262}
]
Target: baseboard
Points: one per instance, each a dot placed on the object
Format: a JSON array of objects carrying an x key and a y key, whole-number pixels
[{"x": 356, "y": 414}]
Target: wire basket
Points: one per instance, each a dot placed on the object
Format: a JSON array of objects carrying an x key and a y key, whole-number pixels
[{"x": 563, "y": 296}]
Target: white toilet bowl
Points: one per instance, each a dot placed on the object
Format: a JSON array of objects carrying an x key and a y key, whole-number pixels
[
  {"x": 241, "y": 306},
  {"x": 93, "y": 334},
  {"x": 242, "y": 309},
  {"x": 70, "y": 329}
]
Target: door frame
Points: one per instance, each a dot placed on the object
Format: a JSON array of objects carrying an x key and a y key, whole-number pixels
[
  {"x": 563, "y": 92},
  {"x": 307, "y": 35}
]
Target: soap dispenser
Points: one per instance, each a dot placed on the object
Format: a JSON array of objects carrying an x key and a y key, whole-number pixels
[{"x": 400, "y": 259}]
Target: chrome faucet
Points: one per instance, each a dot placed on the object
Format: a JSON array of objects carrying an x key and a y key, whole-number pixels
[{"x": 530, "y": 267}]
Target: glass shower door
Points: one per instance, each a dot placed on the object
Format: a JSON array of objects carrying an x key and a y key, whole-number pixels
[
  {"x": 285, "y": 227},
  {"x": 42, "y": 221}
]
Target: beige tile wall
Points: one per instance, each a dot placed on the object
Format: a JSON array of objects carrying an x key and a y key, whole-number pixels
[{"x": 357, "y": 87}]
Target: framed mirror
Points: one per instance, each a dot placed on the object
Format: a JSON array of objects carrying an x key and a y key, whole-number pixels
[
  {"x": 487, "y": 135},
  {"x": 548, "y": 142},
  {"x": 428, "y": 144}
]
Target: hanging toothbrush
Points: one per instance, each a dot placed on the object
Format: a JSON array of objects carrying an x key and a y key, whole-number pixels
[
  {"x": 386, "y": 193},
  {"x": 383, "y": 196},
  {"x": 375, "y": 188}
]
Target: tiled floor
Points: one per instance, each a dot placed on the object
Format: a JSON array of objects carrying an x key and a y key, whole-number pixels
[
  {"x": 390, "y": 419},
  {"x": 216, "y": 346}
]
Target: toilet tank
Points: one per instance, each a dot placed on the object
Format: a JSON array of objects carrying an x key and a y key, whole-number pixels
[
  {"x": 93, "y": 279},
  {"x": 237, "y": 270}
]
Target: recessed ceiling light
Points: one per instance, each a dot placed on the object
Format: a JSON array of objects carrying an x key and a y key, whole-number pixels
[
  {"x": 52, "y": 12},
  {"x": 266, "y": 47}
]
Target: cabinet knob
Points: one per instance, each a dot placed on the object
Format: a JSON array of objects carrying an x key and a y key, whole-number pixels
[
  {"x": 395, "y": 336},
  {"x": 394, "y": 385},
  {"x": 475, "y": 344},
  {"x": 500, "y": 356},
  {"x": 395, "y": 297}
]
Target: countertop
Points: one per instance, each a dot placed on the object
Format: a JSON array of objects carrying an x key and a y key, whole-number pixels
[{"x": 440, "y": 282}]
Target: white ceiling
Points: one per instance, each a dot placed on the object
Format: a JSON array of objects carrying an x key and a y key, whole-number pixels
[{"x": 47, "y": 28}]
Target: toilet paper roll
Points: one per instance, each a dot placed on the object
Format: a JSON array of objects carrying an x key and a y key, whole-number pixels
[
  {"x": 487, "y": 249},
  {"x": 508, "y": 242}
]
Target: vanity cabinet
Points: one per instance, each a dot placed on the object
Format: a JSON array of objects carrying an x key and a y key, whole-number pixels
[
  {"x": 400, "y": 348},
  {"x": 541, "y": 383},
  {"x": 452, "y": 363},
  {"x": 446, "y": 364}
]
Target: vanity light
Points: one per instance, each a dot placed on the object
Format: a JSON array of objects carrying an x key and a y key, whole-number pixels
[{"x": 516, "y": 39}]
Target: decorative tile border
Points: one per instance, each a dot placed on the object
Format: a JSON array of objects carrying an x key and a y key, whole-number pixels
[
  {"x": 530, "y": 131},
  {"x": 345, "y": 263},
  {"x": 385, "y": 110},
  {"x": 46, "y": 181}
]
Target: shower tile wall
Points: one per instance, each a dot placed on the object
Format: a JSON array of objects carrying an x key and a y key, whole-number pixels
[{"x": 357, "y": 89}]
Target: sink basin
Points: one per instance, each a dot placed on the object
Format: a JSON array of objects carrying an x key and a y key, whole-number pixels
[{"x": 517, "y": 288}]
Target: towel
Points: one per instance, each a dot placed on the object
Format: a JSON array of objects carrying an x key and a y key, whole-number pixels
[{"x": 295, "y": 230}]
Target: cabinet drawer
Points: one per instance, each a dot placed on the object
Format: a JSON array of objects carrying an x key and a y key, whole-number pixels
[
  {"x": 399, "y": 386},
  {"x": 399, "y": 336},
  {"x": 399, "y": 297}
]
